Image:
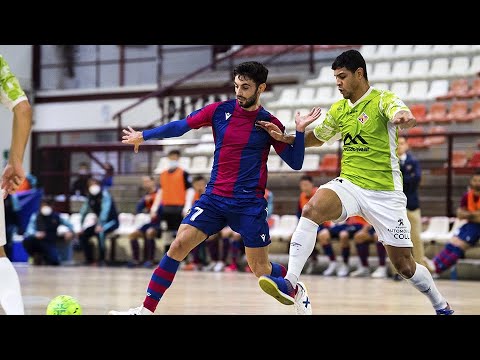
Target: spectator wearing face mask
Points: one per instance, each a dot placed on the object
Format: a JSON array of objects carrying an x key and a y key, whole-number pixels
[
  {"x": 41, "y": 237},
  {"x": 101, "y": 203},
  {"x": 175, "y": 191}
]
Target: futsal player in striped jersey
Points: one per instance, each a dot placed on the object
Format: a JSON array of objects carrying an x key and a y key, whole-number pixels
[{"x": 234, "y": 195}]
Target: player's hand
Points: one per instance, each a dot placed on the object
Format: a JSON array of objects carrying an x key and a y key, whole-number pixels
[
  {"x": 302, "y": 121},
  {"x": 404, "y": 120},
  {"x": 132, "y": 137},
  {"x": 272, "y": 129},
  {"x": 12, "y": 177}
]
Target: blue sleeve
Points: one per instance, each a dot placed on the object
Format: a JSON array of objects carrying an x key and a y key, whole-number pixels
[
  {"x": 171, "y": 129},
  {"x": 140, "y": 206},
  {"x": 31, "y": 228},
  {"x": 83, "y": 211},
  {"x": 16, "y": 203},
  {"x": 105, "y": 210},
  {"x": 294, "y": 154}
]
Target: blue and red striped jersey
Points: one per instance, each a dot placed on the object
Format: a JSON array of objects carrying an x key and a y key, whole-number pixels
[{"x": 241, "y": 149}]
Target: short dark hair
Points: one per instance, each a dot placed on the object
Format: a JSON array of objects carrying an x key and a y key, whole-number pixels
[
  {"x": 174, "y": 152},
  {"x": 351, "y": 60},
  {"x": 307, "y": 178},
  {"x": 252, "y": 70},
  {"x": 198, "y": 178}
]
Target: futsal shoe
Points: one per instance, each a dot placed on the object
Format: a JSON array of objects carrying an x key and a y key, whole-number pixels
[
  {"x": 445, "y": 311},
  {"x": 303, "y": 306},
  {"x": 278, "y": 287},
  {"x": 133, "y": 311}
]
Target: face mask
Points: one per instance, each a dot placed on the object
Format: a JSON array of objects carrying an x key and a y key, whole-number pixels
[
  {"x": 46, "y": 210},
  {"x": 94, "y": 190},
  {"x": 173, "y": 164}
]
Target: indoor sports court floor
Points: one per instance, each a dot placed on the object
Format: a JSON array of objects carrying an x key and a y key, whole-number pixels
[{"x": 202, "y": 293}]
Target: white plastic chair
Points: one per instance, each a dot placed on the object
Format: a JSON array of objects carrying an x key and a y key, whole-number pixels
[
  {"x": 285, "y": 228},
  {"x": 445, "y": 238},
  {"x": 437, "y": 226}
]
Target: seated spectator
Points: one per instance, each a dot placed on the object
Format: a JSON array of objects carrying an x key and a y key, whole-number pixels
[
  {"x": 101, "y": 203},
  {"x": 150, "y": 231},
  {"x": 466, "y": 236},
  {"x": 41, "y": 237},
  {"x": 363, "y": 238},
  {"x": 344, "y": 231}
]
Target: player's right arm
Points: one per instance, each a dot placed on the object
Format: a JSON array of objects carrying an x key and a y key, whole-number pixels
[{"x": 196, "y": 120}]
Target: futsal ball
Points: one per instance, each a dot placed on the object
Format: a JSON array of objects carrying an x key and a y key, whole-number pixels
[{"x": 64, "y": 305}]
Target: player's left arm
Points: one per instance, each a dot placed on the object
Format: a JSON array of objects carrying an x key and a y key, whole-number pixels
[
  {"x": 404, "y": 119},
  {"x": 14, "y": 174}
]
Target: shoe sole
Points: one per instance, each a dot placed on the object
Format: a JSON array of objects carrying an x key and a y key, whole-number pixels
[
  {"x": 271, "y": 288},
  {"x": 299, "y": 311}
]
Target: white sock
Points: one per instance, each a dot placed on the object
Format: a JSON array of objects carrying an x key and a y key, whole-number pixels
[
  {"x": 422, "y": 280},
  {"x": 10, "y": 293},
  {"x": 301, "y": 246}
]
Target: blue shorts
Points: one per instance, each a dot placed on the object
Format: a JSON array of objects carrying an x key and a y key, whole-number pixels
[
  {"x": 470, "y": 233},
  {"x": 351, "y": 229},
  {"x": 154, "y": 225},
  {"x": 248, "y": 217}
]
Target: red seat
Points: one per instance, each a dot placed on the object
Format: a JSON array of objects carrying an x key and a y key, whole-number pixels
[
  {"x": 474, "y": 88},
  {"x": 474, "y": 113},
  {"x": 329, "y": 163},
  {"x": 474, "y": 161},
  {"x": 458, "y": 111},
  {"x": 459, "y": 158},
  {"x": 438, "y": 139},
  {"x": 458, "y": 89},
  {"x": 437, "y": 112},
  {"x": 419, "y": 111},
  {"x": 416, "y": 142}
]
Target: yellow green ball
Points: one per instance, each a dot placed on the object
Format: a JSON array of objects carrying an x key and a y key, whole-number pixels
[{"x": 64, "y": 305}]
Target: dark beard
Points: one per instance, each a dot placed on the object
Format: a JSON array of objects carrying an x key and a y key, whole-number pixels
[{"x": 250, "y": 101}]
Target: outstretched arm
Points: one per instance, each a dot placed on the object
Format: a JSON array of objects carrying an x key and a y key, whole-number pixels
[
  {"x": 171, "y": 129},
  {"x": 404, "y": 119},
  {"x": 293, "y": 155},
  {"x": 14, "y": 174}
]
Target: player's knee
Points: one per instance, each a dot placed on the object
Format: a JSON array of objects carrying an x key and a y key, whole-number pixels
[
  {"x": 151, "y": 233},
  {"x": 404, "y": 267},
  {"x": 360, "y": 237}
]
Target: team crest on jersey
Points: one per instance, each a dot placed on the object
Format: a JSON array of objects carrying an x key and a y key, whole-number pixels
[{"x": 363, "y": 118}]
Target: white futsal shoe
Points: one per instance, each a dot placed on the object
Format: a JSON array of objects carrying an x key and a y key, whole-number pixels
[
  {"x": 302, "y": 303},
  {"x": 133, "y": 311}
]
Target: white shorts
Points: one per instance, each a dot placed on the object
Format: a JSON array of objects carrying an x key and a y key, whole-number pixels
[
  {"x": 386, "y": 211},
  {"x": 3, "y": 231}
]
